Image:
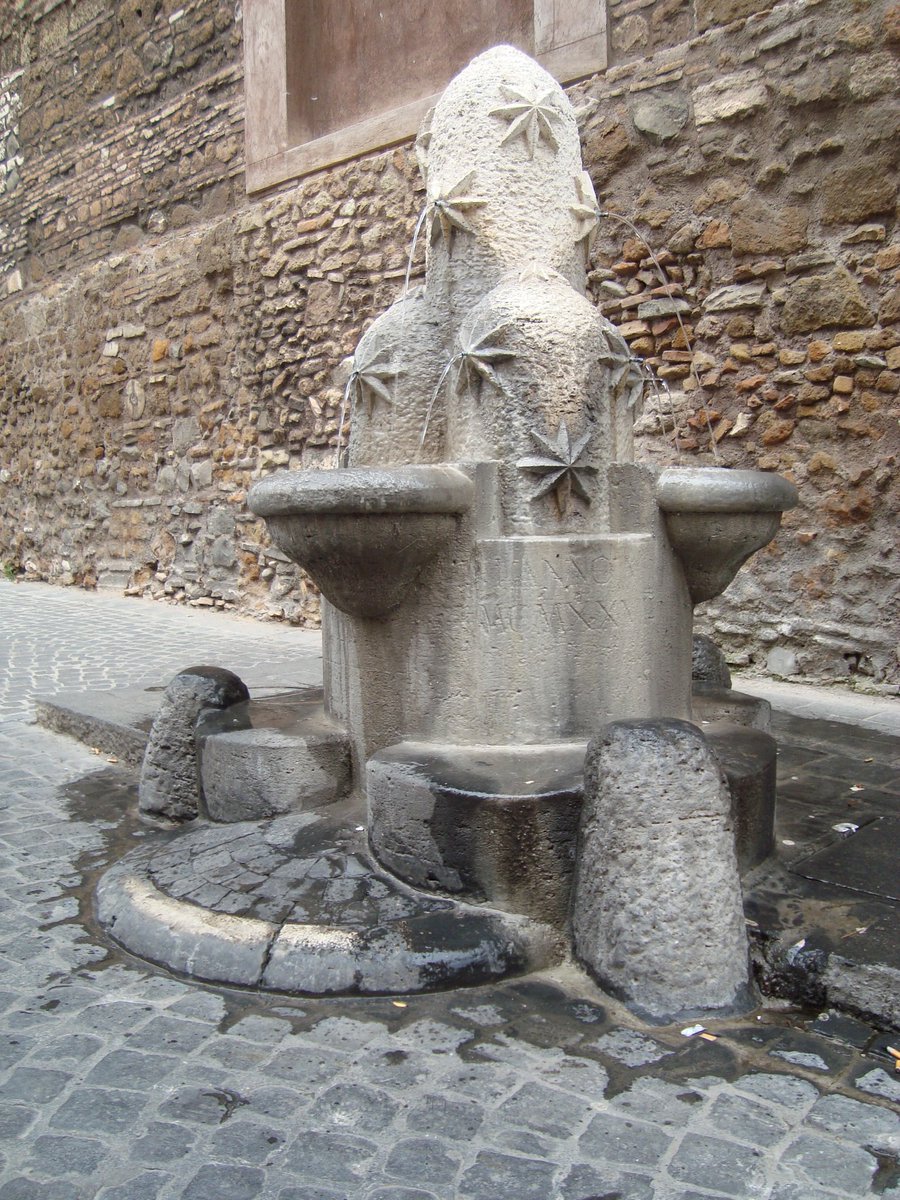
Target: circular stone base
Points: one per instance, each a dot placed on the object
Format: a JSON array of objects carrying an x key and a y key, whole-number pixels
[{"x": 296, "y": 904}]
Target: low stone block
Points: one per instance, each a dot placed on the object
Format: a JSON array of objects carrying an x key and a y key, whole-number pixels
[{"x": 169, "y": 784}]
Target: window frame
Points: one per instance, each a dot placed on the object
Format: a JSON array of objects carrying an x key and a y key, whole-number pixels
[{"x": 570, "y": 42}]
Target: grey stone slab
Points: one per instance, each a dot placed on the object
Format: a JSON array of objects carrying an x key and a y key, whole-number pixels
[
  {"x": 23, "y": 1188},
  {"x": 246, "y": 1141},
  {"x": 583, "y": 1181},
  {"x": 617, "y": 1139},
  {"x": 494, "y": 1174},
  {"x": 364, "y": 1109},
  {"x": 857, "y": 1122},
  {"x": 865, "y": 862},
  {"x": 746, "y": 1121},
  {"x": 423, "y": 1160},
  {"x": 163, "y": 1142},
  {"x": 831, "y": 1164},
  {"x": 34, "y": 1084},
  {"x": 331, "y": 1157},
  {"x": 99, "y": 1110},
  {"x": 201, "y": 1105},
  {"x": 131, "y": 1069},
  {"x": 225, "y": 1181},
  {"x": 456, "y": 1120},
  {"x": 60, "y": 1154},
  {"x": 15, "y": 1119},
  {"x": 145, "y": 1186},
  {"x": 544, "y": 1110},
  {"x": 718, "y": 1164}
]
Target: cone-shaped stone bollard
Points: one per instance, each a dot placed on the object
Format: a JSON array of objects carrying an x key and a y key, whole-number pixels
[{"x": 657, "y": 915}]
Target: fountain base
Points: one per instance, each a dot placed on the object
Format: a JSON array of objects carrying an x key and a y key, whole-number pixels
[{"x": 297, "y": 905}]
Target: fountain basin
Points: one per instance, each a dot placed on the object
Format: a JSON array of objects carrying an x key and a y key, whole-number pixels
[
  {"x": 717, "y": 518},
  {"x": 364, "y": 535}
]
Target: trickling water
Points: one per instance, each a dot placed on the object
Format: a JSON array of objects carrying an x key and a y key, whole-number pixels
[
  {"x": 655, "y": 381},
  {"x": 345, "y": 404},
  {"x": 412, "y": 250},
  {"x": 457, "y": 358}
]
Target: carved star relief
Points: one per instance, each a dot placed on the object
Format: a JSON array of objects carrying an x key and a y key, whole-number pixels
[
  {"x": 477, "y": 357},
  {"x": 371, "y": 378},
  {"x": 448, "y": 208},
  {"x": 585, "y": 210},
  {"x": 561, "y": 465},
  {"x": 530, "y": 115}
]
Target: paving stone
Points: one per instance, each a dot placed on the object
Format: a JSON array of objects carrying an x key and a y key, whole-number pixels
[
  {"x": 34, "y": 1084},
  {"x": 208, "y": 1106},
  {"x": 878, "y": 1083},
  {"x": 831, "y": 1164},
  {"x": 355, "y": 1106},
  {"x": 786, "y": 1090},
  {"x": 333, "y": 1157},
  {"x": 494, "y": 1175},
  {"x": 163, "y": 1142},
  {"x": 246, "y": 1141},
  {"x": 131, "y": 1069},
  {"x": 14, "y": 1120},
  {"x": 145, "y": 1186},
  {"x": 458, "y": 1120},
  {"x": 546, "y": 1111},
  {"x": 223, "y": 1181},
  {"x": 22, "y": 1188},
  {"x": 96, "y": 1110},
  {"x": 746, "y": 1121},
  {"x": 584, "y": 1181},
  {"x": 310, "y": 1193},
  {"x": 622, "y": 1140},
  {"x": 170, "y": 1034},
  {"x": 423, "y": 1160},
  {"x": 61, "y": 1155},
  {"x": 719, "y": 1165},
  {"x": 857, "y": 1122}
]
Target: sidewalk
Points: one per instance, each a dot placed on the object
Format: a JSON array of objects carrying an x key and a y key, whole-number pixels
[{"x": 122, "y": 1083}]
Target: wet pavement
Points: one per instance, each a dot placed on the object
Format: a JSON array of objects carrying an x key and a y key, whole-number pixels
[{"x": 119, "y": 1081}]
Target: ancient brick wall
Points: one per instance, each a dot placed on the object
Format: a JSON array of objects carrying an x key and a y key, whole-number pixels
[{"x": 164, "y": 339}]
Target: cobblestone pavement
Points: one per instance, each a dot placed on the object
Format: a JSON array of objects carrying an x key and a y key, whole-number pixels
[{"x": 121, "y": 1083}]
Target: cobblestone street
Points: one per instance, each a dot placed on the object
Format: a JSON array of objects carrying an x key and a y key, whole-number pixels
[{"x": 122, "y": 1083}]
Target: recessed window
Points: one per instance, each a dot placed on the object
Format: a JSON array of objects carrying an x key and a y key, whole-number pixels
[{"x": 327, "y": 80}]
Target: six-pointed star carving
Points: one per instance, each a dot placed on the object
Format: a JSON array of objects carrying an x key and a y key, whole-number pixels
[
  {"x": 372, "y": 376},
  {"x": 560, "y": 463},
  {"x": 586, "y": 210},
  {"x": 448, "y": 209},
  {"x": 530, "y": 115},
  {"x": 477, "y": 356}
]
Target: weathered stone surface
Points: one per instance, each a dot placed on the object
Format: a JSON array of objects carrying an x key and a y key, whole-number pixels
[
  {"x": 660, "y": 117},
  {"x": 169, "y": 785},
  {"x": 820, "y": 301},
  {"x": 734, "y": 296},
  {"x": 657, "y": 913},
  {"x": 720, "y": 12},
  {"x": 730, "y": 97},
  {"x": 758, "y": 227},
  {"x": 708, "y": 663},
  {"x": 854, "y": 193}
]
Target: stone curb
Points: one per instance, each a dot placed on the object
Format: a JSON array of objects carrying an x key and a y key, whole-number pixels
[{"x": 467, "y": 946}]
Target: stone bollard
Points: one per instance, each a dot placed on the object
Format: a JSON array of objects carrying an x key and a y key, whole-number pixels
[
  {"x": 170, "y": 782},
  {"x": 708, "y": 663},
  {"x": 657, "y": 913}
]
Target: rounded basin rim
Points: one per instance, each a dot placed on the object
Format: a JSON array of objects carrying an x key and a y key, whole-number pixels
[
  {"x": 362, "y": 491},
  {"x": 721, "y": 489}
]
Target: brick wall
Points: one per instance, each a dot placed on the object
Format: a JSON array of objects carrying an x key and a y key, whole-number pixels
[{"x": 165, "y": 339}]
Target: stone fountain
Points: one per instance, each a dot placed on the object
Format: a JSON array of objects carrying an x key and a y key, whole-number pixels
[{"x": 502, "y": 584}]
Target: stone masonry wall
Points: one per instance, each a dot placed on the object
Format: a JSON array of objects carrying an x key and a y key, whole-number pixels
[{"x": 163, "y": 339}]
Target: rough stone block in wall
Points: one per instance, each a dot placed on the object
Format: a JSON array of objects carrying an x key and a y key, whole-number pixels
[{"x": 752, "y": 145}]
